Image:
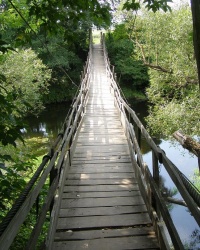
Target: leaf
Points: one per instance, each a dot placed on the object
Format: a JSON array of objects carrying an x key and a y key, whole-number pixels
[
  {"x": 156, "y": 5},
  {"x": 6, "y": 157},
  {"x": 5, "y": 47},
  {"x": 131, "y": 6},
  {"x": 2, "y": 78}
]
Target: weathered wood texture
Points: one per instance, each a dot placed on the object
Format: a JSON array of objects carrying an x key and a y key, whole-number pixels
[{"x": 102, "y": 207}]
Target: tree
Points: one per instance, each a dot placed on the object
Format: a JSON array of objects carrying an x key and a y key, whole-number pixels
[
  {"x": 27, "y": 85},
  {"x": 20, "y": 93},
  {"x": 195, "y": 6},
  {"x": 173, "y": 89},
  {"x": 130, "y": 71},
  {"x": 155, "y": 5}
]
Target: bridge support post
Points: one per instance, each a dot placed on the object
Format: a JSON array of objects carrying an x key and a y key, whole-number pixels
[
  {"x": 155, "y": 167},
  {"x": 139, "y": 137},
  {"x": 53, "y": 174}
]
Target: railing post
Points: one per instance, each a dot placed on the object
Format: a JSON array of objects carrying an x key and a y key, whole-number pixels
[
  {"x": 139, "y": 137},
  {"x": 113, "y": 69},
  {"x": 52, "y": 175},
  {"x": 155, "y": 168},
  {"x": 115, "y": 76}
]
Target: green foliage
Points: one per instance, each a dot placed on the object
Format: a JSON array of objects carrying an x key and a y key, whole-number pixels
[
  {"x": 54, "y": 14},
  {"x": 153, "y": 5},
  {"x": 164, "y": 42},
  {"x": 60, "y": 91},
  {"x": 131, "y": 73},
  {"x": 10, "y": 124},
  {"x": 66, "y": 66},
  {"x": 171, "y": 116},
  {"x": 4, "y": 47},
  {"x": 26, "y": 86},
  {"x": 14, "y": 176},
  {"x": 22, "y": 79},
  {"x": 196, "y": 179},
  {"x": 15, "y": 172},
  {"x": 133, "y": 94}
]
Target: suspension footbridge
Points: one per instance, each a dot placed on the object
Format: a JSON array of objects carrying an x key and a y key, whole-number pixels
[{"x": 101, "y": 193}]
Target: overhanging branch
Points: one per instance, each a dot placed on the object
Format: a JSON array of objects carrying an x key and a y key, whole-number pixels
[{"x": 156, "y": 67}]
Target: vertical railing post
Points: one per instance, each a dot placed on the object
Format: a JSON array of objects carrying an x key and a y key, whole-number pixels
[
  {"x": 155, "y": 169},
  {"x": 139, "y": 140},
  {"x": 139, "y": 137},
  {"x": 52, "y": 176}
]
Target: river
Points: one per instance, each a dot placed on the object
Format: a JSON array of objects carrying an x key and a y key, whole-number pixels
[{"x": 50, "y": 121}]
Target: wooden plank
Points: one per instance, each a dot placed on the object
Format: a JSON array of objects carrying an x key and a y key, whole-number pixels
[
  {"x": 98, "y": 96},
  {"x": 137, "y": 242},
  {"x": 82, "y": 161},
  {"x": 111, "y": 181},
  {"x": 90, "y": 109},
  {"x": 106, "y": 233},
  {"x": 85, "y": 182},
  {"x": 101, "y": 211},
  {"x": 73, "y": 195},
  {"x": 91, "y": 106},
  {"x": 93, "y": 160},
  {"x": 84, "y": 176},
  {"x": 100, "y": 142},
  {"x": 97, "y": 130},
  {"x": 80, "y": 152},
  {"x": 90, "y": 120},
  {"x": 104, "y": 148},
  {"x": 103, "y": 106},
  {"x": 99, "y": 153},
  {"x": 101, "y": 130},
  {"x": 101, "y": 113},
  {"x": 99, "y": 169},
  {"x": 120, "y": 165},
  {"x": 107, "y": 157},
  {"x": 91, "y": 137},
  {"x": 97, "y": 202},
  {"x": 107, "y": 127},
  {"x": 122, "y": 220},
  {"x": 100, "y": 188},
  {"x": 105, "y": 123}
]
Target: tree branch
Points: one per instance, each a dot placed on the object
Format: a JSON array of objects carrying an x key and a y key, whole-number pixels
[
  {"x": 156, "y": 67},
  {"x": 188, "y": 143},
  {"x": 176, "y": 201}
]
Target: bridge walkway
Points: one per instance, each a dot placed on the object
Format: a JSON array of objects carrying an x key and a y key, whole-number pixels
[{"x": 101, "y": 206}]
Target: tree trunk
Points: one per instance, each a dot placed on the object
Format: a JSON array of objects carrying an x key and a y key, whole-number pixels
[
  {"x": 195, "y": 6},
  {"x": 188, "y": 143}
]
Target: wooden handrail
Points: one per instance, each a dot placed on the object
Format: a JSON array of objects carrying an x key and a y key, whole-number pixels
[{"x": 149, "y": 183}]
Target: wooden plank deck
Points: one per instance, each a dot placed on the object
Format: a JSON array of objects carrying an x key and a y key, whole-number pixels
[{"x": 101, "y": 206}]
